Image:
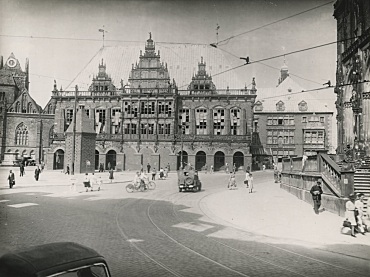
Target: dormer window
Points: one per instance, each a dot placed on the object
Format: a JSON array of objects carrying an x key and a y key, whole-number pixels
[
  {"x": 302, "y": 106},
  {"x": 258, "y": 106},
  {"x": 280, "y": 106}
]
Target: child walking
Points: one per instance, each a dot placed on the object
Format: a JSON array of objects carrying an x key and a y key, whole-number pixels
[{"x": 250, "y": 183}]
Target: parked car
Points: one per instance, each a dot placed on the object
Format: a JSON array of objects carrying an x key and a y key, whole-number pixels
[
  {"x": 188, "y": 179},
  {"x": 26, "y": 161},
  {"x": 54, "y": 259}
]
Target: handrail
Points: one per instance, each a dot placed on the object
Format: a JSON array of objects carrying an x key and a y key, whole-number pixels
[{"x": 330, "y": 161}]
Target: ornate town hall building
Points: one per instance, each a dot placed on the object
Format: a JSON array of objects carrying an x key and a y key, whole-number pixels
[{"x": 151, "y": 119}]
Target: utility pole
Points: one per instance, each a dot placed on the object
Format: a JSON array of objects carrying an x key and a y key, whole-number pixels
[
  {"x": 74, "y": 132},
  {"x": 182, "y": 146}
]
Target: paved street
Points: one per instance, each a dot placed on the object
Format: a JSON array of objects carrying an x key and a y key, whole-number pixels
[{"x": 215, "y": 232}]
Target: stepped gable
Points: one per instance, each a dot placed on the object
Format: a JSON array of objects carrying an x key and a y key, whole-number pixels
[
  {"x": 84, "y": 123},
  {"x": 181, "y": 60}
]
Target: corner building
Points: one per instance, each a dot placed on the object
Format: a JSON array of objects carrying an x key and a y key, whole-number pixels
[{"x": 152, "y": 119}]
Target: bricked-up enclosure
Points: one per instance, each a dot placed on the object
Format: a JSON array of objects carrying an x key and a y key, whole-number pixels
[
  {"x": 84, "y": 142},
  {"x": 337, "y": 182}
]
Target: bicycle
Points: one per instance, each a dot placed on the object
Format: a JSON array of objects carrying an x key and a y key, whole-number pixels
[{"x": 138, "y": 186}]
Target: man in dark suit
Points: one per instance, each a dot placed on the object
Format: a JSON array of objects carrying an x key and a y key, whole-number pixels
[
  {"x": 11, "y": 179},
  {"x": 316, "y": 192}
]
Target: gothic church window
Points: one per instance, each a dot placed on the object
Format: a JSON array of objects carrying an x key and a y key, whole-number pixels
[
  {"x": 18, "y": 107},
  {"x": 29, "y": 108},
  {"x": 21, "y": 135}
]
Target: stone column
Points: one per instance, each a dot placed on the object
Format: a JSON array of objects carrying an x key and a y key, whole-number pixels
[
  {"x": 193, "y": 129},
  {"x": 108, "y": 121},
  {"x": 210, "y": 121},
  {"x": 243, "y": 122},
  {"x": 227, "y": 122}
]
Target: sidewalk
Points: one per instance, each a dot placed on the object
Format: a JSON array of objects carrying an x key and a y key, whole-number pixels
[
  {"x": 53, "y": 181},
  {"x": 274, "y": 213}
]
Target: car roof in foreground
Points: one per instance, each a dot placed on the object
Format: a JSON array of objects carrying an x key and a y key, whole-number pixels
[{"x": 47, "y": 259}]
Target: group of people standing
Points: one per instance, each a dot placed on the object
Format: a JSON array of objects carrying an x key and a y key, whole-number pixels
[
  {"x": 355, "y": 209},
  {"x": 11, "y": 176},
  {"x": 162, "y": 173},
  {"x": 248, "y": 181},
  {"x": 355, "y": 212}
]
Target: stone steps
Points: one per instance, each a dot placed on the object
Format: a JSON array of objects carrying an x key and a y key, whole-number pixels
[{"x": 362, "y": 183}]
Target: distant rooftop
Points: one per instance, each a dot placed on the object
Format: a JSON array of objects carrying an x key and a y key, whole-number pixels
[
  {"x": 182, "y": 62},
  {"x": 291, "y": 94}
]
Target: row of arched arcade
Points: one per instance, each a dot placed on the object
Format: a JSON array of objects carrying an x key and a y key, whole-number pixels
[
  {"x": 218, "y": 160},
  {"x": 202, "y": 160}
]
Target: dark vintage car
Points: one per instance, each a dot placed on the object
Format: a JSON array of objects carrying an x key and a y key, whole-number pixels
[
  {"x": 188, "y": 179},
  {"x": 65, "y": 259},
  {"x": 26, "y": 161}
]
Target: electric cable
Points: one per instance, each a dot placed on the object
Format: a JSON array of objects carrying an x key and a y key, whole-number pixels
[{"x": 269, "y": 24}]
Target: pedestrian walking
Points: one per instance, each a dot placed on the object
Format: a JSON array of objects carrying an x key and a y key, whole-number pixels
[
  {"x": 111, "y": 175},
  {"x": 168, "y": 167},
  {"x": 101, "y": 167},
  {"x": 37, "y": 173},
  {"x": 359, "y": 204},
  {"x": 211, "y": 170},
  {"x": 250, "y": 183},
  {"x": 67, "y": 169},
  {"x": 42, "y": 166},
  {"x": 109, "y": 166},
  {"x": 227, "y": 168},
  {"x": 154, "y": 172},
  {"x": 165, "y": 172},
  {"x": 316, "y": 192},
  {"x": 87, "y": 182},
  {"x": 263, "y": 167},
  {"x": 161, "y": 173},
  {"x": 232, "y": 181},
  {"x": 148, "y": 167},
  {"x": 21, "y": 170},
  {"x": 246, "y": 180},
  {"x": 11, "y": 179},
  {"x": 205, "y": 168},
  {"x": 350, "y": 213},
  {"x": 234, "y": 168}
]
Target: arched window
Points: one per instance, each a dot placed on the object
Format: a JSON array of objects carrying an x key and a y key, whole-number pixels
[
  {"x": 18, "y": 107},
  {"x": 29, "y": 108},
  {"x": 21, "y": 135}
]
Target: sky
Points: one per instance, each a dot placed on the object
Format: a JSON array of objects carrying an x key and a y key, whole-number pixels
[{"x": 60, "y": 37}]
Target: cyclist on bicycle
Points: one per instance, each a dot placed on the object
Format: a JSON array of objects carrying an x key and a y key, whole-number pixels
[{"x": 139, "y": 179}]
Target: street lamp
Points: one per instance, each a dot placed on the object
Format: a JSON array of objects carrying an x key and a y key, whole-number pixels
[{"x": 182, "y": 146}]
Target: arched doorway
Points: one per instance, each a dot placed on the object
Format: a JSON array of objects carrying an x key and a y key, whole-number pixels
[
  {"x": 184, "y": 159},
  {"x": 96, "y": 159},
  {"x": 219, "y": 160},
  {"x": 200, "y": 160},
  {"x": 59, "y": 160},
  {"x": 238, "y": 159},
  {"x": 110, "y": 161}
]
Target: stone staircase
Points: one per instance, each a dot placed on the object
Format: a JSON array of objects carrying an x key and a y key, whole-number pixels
[{"x": 362, "y": 179}]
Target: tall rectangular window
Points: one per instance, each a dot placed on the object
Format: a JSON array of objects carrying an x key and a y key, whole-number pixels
[
  {"x": 100, "y": 117},
  {"x": 130, "y": 128},
  {"x": 184, "y": 121},
  {"x": 235, "y": 116},
  {"x": 219, "y": 122},
  {"x": 115, "y": 120},
  {"x": 201, "y": 121}
]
